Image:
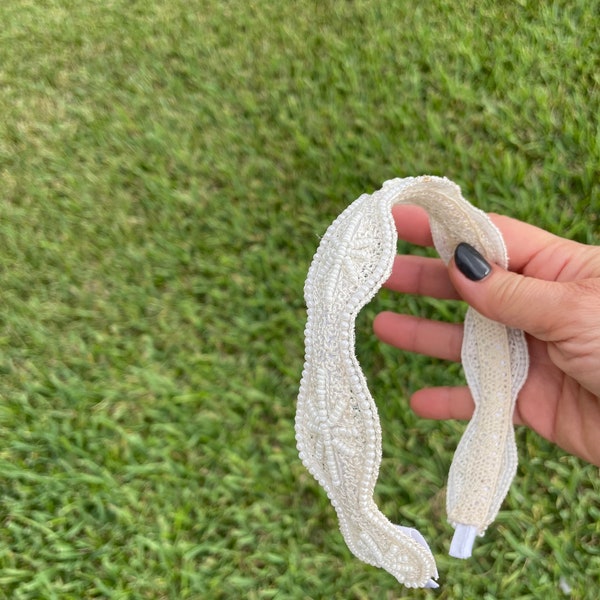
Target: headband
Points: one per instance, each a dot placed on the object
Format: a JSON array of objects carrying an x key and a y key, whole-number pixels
[{"x": 338, "y": 432}]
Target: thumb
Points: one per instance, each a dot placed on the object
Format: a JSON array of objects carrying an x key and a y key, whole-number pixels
[{"x": 537, "y": 306}]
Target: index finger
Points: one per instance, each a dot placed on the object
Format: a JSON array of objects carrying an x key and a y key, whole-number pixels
[
  {"x": 523, "y": 241},
  {"x": 412, "y": 224}
]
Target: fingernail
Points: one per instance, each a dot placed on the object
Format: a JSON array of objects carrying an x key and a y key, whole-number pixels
[{"x": 470, "y": 263}]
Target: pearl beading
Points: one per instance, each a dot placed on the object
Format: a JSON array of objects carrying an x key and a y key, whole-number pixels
[{"x": 337, "y": 425}]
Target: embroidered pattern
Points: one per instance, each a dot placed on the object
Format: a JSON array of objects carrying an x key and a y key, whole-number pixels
[{"x": 337, "y": 424}]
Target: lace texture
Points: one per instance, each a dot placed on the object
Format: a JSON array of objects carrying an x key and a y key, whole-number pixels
[{"x": 337, "y": 425}]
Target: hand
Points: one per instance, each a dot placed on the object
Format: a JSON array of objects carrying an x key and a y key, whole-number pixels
[{"x": 552, "y": 292}]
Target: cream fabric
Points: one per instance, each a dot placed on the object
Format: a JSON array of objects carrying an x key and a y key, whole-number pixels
[{"x": 337, "y": 425}]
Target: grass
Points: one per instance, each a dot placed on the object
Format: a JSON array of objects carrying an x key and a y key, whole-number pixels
[{"x": 167, "y": 169}]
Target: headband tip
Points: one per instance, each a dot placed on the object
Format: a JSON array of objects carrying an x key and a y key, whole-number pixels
[{"x": 462, "y": 541}]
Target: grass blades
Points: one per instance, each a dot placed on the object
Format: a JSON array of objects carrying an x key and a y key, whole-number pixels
[{"x": 167, "y": 169}]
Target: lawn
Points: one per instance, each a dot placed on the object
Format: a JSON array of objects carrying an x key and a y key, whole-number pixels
[{"x": 166, "y": 171}]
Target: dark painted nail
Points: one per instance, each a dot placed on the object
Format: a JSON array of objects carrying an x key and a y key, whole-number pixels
[{"x": 470, "y": 263}]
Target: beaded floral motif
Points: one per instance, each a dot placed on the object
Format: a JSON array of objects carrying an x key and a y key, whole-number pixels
[{"x": 337, "y": 424}]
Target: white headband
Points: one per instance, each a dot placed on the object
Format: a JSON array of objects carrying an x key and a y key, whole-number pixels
[{"x": 337, "y": 425}]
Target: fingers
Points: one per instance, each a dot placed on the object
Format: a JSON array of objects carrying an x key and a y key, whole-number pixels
[
  {"x": 503, "y": 296},
  {"x": 564, "y": 314},
  {"x": 421, "y": 275},
  {"x": 510, "y": 298},
  {"x": 523, "y": 241},
  {"x": 538, "y": 253},
  {"x": 443, "y": 403},
  {"x": 433, "y": 338},
  {"x": 412, "y": 224}
]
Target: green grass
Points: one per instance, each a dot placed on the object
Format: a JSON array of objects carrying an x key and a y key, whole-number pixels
[{"x": 167, "y": 169}]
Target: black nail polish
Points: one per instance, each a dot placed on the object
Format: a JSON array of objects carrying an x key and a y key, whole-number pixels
[{"x": 470, "y": 263}]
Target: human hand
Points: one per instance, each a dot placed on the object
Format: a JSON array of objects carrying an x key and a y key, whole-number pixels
[{"x": 552, "y": 292}]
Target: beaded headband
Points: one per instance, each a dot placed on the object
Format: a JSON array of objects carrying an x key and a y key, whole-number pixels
[{"x": 337, "y": 425}]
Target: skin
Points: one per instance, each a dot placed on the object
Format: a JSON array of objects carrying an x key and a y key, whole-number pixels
[{"x": 552, "y": 292}]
